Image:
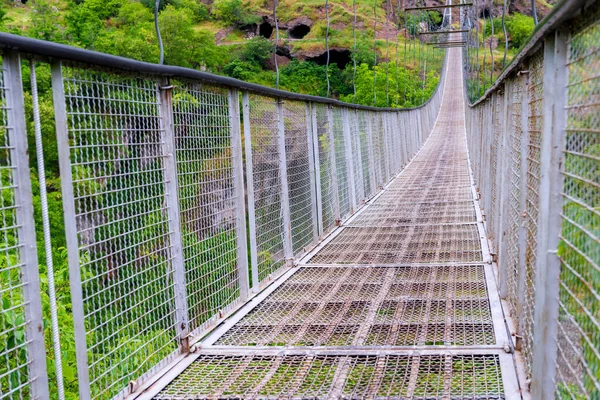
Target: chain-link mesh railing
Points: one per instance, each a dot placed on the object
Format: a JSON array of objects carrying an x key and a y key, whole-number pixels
[
  {"x": 578, "y": 360},
  {"x": 534, "y": 142}
]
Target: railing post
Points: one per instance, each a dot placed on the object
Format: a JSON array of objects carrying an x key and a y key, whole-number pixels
[
  {"x": 172, "y": 200},
  {"x": 547, "y": 275},
  {"x": 250, "y": 190},
  {"x": 66, "y": 179},
  {"x": 359, "y": 180},
  {"x": 505, "y": 174},
  {"x": 16, "y": 130},
  {"x": 288, "y": 252},
  {"x": 240, "y": 200},
  {"x": 522, "y": 237},
  {"x": 372, "y": 175},
  {"x": 349, "y": 160},
  {"x": 314, "y": 133},
  {"x": 313, "y": 179},
  {"x": 334, "y": 182}
]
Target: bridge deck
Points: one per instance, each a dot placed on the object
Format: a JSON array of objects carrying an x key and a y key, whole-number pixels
[{"x": 400, "y": 302}]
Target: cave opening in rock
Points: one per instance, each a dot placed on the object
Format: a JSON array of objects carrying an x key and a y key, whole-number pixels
[
  {"x": 341, "y": 57},
  {"x": 298, "y": 31},
  {"x": 265, "y": 29}
]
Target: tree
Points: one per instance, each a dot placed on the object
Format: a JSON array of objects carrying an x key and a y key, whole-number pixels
[{"x": 45, "y": 20}]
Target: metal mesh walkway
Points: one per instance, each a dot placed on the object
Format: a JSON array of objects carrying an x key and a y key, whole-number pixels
[{"x": 400, "y": 302}]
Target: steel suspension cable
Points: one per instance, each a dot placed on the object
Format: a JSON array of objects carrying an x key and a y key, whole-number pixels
[
  {"x": 387, "y": 55},
  {"x": 397, "y": 50},
  {"x": 58, "y": 369},
  {"x": 275, "y": 3},
  {"x": 327, "y": 47},
  {"x": 158, "y": 37},
  {"x": 534, "y": 12},
  {"x": 354, "y": 55},
  {"x": 491, "y": 15},
  {"x": 405, "y": 54},
  {"x": 375, "y": 54},
  {"x": 505, "y": 34}
]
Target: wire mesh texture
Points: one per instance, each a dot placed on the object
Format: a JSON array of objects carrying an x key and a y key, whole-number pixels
[
  {"x": 300, "y": 182},
  {"x": 203, "y": 152},
  {"x": 541, "y": 165},
  {"x": 267, "y": 185},
  {"x": 371, "y": 306},
  {"x": 334, "y": 376},
  {"x": 578, "y": 360},
  {"x": 327, "y": 176},
  {"x": 123, "y": 235}
]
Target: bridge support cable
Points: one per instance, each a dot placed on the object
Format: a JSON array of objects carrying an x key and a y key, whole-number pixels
[
  {"x": 327, "y": 48},
  {"x": 275, "y": 46}
]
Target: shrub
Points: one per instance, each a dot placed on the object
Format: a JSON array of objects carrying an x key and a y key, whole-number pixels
[{"x": 519, "y": 27}]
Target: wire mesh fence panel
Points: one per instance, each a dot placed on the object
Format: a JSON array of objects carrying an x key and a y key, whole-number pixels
[
  {"x": 326, "y": 161},
  {"x": 298, "y": 171},
  {"x": 578, "y": 359},
  {"x": 267, "y": 185},
  {"x": 20, "y": 329},
  {"x": 495, "y": 175},
  {"x": 534, "y": 139},
  {"x": 365, "y": 154},
  {"x": 380, "y": 160},
  {"x": 341, "y": 163},
  {"x": 512, "y": 261},
  {"x": 117, "y": 154},
  {"x": 357, "y": 160},
  {"x": 204, "y": 160}
]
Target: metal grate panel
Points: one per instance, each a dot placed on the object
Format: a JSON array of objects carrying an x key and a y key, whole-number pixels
[
  {"x": 416, "y": 214},
  {"x": 336, "y": 376},
  {"x": 400, "y": 245},
  {"x": 371, "y": 306}
]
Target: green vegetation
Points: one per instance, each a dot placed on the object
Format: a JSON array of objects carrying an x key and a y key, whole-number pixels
[
  {"x": 484, "y": 66},
  {"x": 213, "y": 38}
]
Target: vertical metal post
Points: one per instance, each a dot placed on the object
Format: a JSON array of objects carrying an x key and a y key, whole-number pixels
[
  {"x": 349, "y": 160},
  {"x": 66, "y": 179},
  {"x": 360, "y": 178},
  {"x": 504, "y": 225},
  {"x": 311, "y": 169},
  {"x": 288, "y": 251},
  {"x": 372, "y": 176},
  {"x": 547, "y": 275},
  {"x": 240, "y": 198},
  {"x": 522, "y": 240},
  {"x": 250, "y": 189},
  {"x": 17, "y": 135},
  {"x": 315, "y": 153},
  {"x": 385, "y": 148},
  {"x": 165, "y": 99},
  {"x": 334, "y": 180}
]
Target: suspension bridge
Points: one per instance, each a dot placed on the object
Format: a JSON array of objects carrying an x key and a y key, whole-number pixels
[{"x": 228, "y": 240}]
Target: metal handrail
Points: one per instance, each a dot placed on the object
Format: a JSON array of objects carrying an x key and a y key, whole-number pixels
[{"x": 51, "y": 50}]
